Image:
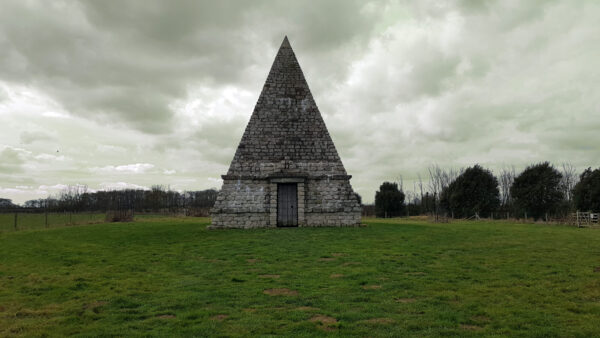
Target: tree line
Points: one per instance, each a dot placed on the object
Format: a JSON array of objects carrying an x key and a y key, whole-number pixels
[
  {"x": 158, "y": 197},
  {"x": 541, "y": 191}
]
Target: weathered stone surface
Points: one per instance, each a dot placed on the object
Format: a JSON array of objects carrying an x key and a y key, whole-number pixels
[{"x": 286, "y": 141}]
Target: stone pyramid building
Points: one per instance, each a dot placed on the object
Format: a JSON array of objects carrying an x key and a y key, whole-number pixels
[{"x": 286, "y": 171}]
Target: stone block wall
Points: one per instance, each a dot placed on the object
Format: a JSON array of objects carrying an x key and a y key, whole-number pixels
[
  {"x": 242, "y": 203},
  {"x": 331, "y": 202},
  {"x": 248, "y": 203}
]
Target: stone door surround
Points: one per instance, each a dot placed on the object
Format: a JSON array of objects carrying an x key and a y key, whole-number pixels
[{"x": 273, "y": 204}]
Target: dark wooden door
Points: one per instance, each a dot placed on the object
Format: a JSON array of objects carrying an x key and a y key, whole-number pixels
[{"x": 287, "y": 205}]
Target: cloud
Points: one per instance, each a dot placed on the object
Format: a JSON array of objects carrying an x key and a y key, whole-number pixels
[
  {"x": 120, "y": 186},
  {"x": 54, "y": 187},
  {"x": 136, "y": 168},
  {"x": 12, "y": 159},
  {"x": 28, "y": 137},
  {"x": 49, "y": 157}
]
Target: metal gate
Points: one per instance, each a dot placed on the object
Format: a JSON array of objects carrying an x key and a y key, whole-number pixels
[{"x": 287, "y": 205}]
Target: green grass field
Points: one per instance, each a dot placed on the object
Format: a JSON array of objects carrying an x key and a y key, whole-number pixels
[{"x": 392, "y": 278}]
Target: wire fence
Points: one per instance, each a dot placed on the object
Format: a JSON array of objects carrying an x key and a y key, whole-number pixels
[
  {"x": 16, "y": 220},
  {"x": 34, "y": 218}
]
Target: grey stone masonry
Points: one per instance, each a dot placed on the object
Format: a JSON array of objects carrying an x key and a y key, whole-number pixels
[{"x": 286, "y": 141}]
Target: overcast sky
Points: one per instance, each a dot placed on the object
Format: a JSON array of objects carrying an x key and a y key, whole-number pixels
[{"x": 115, "y": 94}]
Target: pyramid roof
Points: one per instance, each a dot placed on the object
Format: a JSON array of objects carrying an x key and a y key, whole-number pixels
[{"x": 286, "y": 134}]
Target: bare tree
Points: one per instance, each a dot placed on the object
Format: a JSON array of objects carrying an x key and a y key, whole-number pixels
[
  {"x": 568, "y": 180},
  {"x": 435, "y": 179},
  {"x": 506, "y": 179},
  {"x": 439, "y": 179},
  {"x": 421, "y": 189},
  {"x": 400, "y": 183}
]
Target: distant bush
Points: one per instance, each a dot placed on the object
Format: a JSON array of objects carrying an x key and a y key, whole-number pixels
[
  {"x": 197, "y": 212},
  {"x": 119, "y": 216},
  {"x": 389, "y": 200},
  {"x": 475, "y": 191},
  {"x": 536, "y": 191},
  {"x": 587, "y": 191}
]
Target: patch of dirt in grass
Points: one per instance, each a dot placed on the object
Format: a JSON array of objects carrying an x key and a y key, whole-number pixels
[
  {"x": 415, "y": 273},
  {"x": 280, "y": 292},
  {"x": 336, "y": 275},
  {"x": 383, "y": 321},
  {"x": 94, "y": 306},
  {"x": 249, "y": 310},
  {"x": 371, "y": 287},
  {"x": 219, "y": 318},
  {"x": 383, "y": 278},
  {"x": 351, "y": 263},
  {"x": 269, "y": 276},
  {"x": 481, "y": 319},
  {"x": 2, "y": 308},
  {"x": 324, "y": 322},
  {"x": 597, "y": 269},
  {"x": 405, "y": 300},
  {"x": 307, "y": 308},
  {"x": 328, "y": 328},
  {"x": 44, "y": 312},
  {"x": 338, "y": 254},
  {"x": 470, "y": 327},
  {"x": 326, "y": 259},
  {"x": 166, "y": 316},
  {"x": 215, "y": 260},
  {"x": 252, "y": 260},
  {"x": 323, "y": 319}
]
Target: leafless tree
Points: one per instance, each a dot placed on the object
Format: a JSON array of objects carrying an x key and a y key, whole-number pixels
[
  {"x": 421, "y": 189},
  {"x": 439, "y": 178},
  {"x": 506, "y": 179},
  {"x": 400, "y": 183},
  {"x": 568, "y": 180}
]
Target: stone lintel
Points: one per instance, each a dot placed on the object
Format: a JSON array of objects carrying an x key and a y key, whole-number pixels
[{"x": 287, "y": 180}]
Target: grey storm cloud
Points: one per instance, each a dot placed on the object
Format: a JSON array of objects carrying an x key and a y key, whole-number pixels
[
  {"x": 401, "y": 85},
  {"x": 28, "y": 137},
  {"x": 11, "y": 161},
  {"x": 126, "y": 61}
]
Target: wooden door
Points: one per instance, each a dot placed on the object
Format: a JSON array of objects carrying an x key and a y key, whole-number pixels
[{"x": 287, "y": 205}]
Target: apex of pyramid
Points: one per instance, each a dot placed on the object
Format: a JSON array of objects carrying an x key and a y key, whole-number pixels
[{"x": 285, "y": 48}]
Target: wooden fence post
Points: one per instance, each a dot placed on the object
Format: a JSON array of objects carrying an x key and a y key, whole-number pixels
[{"x": 15, "y": 220}]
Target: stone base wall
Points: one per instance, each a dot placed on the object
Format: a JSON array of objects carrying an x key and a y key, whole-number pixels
[
  {"x": 332, "y": 219},
  {"x": 243, "y": 196},
  {"x": 330, "y": 196},
  {"x": 245, "y": 220},
  {"x": 252, "y": 203}
]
